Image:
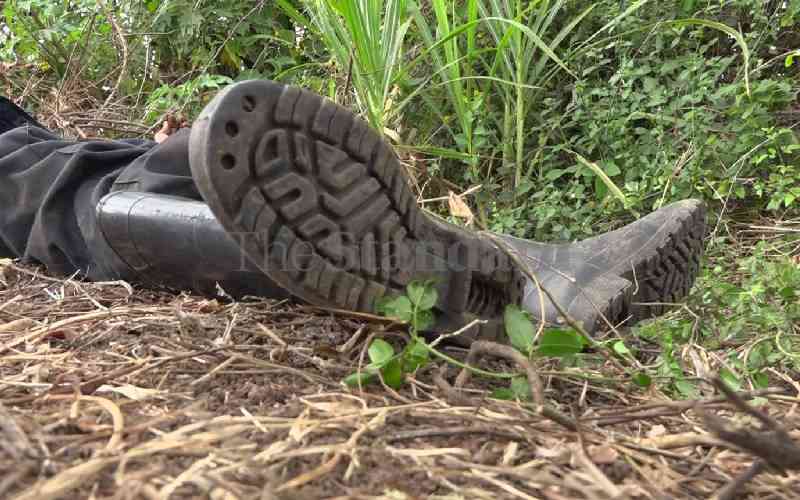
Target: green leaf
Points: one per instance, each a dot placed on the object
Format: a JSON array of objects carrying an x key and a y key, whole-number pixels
[
  {"x": 787, "y": 292},
  {"x": 620, "y": 348},
  {"x": 519, "y": 329},
  {"x": 399, "y": 308},
  {"x": 359, "y": 378},
  {"x": 761, "y": 380},
  {"x": 380, "y": 352},
  {"x": 393, "y": 374},
  {"x": 554, "y": 174},
  {"x": 594, "y": 167},
  {"x": 558, "y": 343},
  {"x": 642, "y": 380},
  {"x": 600, "y": 188},
  {"x": 423, "y": 295},
  {"x": 611, "y": 168},
  {"x": 730, "y": 379},
  {"x": 686, "y": 389},
  {"x": 733, "y": 33},
  {"x": 425, "y": 321},
  {"x": 521, "y": 388},
  {"x": 415, "y": 355}
]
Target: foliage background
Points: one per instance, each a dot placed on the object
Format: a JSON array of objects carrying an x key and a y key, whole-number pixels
[{"x": 661, "y": 105}]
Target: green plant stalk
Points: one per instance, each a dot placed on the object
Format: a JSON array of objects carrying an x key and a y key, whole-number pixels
[
  {"x": 594, "y": 167},
  {"x": 477, "y": 371},
  {"x": 446, "y": 63},
  {"x": 520, "y": 122}
]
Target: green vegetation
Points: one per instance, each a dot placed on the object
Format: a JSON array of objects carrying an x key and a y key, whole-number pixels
[{"x": 572, "y": 116}]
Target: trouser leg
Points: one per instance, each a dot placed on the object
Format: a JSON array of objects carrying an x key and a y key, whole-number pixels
[
  {"x": 159, "y": 226},
  {"x": 49, "y": 189}
]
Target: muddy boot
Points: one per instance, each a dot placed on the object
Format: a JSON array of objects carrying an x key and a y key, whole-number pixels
[
  {"x": 171, "y": 242},
  {"x": 620, "y": 277},
  {"x": 340, "y": 226}
]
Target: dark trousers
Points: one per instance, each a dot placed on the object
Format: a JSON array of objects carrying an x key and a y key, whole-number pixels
[{"x": 49, "y": 189}]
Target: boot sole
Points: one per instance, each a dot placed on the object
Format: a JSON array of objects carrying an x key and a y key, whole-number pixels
[
  {"x": 664, "y": 273},
  {"x": 322, "y": 205}
]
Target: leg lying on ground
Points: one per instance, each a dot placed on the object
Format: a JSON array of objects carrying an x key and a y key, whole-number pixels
[{"x": 303, "y": 197}]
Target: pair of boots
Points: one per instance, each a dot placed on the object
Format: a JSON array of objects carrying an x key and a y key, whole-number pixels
[{"x": 304, "y": 198}]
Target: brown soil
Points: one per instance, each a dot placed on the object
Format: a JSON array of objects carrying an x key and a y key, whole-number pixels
[{"x": 112, "y": 392}]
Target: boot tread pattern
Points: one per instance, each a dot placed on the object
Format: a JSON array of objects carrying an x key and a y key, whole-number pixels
[
  {"x": 667, "y": 275},
  {"x": 341, "y": 226}
]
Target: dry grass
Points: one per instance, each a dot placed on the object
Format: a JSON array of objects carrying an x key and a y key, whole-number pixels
[{"x": 111, "y": 392}]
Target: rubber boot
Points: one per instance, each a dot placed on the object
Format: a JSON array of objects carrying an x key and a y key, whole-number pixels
[
  {"x": 621, "y": 277},
  {"x": 340, "y": 227},
  {"x": 166, "y": 241}
]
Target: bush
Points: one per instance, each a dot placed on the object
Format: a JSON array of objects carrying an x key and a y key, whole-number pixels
[{"x": 503, "y": 94}]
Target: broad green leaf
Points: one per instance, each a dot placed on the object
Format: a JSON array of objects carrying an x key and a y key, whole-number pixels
[
  {"x": 399, "y": 308},
  {"x": 761, "y": 380},
  {"x": 359, "y": 378},
  {"x": 423, "y": 295},
  {"x": 620, "y": 348},
  {"x": 393, "y": 374},
  {"x": 519, "y": 329},
  {"x": 415, "y": 355},
  {"x": 642, "y": 380},
  {"x": 558, "y": 343},
  {"x": 600, "y": 189},
  {"x": 380, "y": 352},
  {"x": 787, "y": 292},
  {"x": 730, "y": 379},
  {"x": 611, "y": 168},
  {"x": 686, "y": 389},
  {"x": 425, "y": 320}
]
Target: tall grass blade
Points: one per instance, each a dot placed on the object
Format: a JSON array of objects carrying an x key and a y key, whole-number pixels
[
  {"x": 366, "y": 36},
  {"x": 733, "y": 33},
  {"x": 594, "y": 167}
]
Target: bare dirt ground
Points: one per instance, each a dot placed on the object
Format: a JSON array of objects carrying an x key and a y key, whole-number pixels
[{"x": 107, "y": 391}]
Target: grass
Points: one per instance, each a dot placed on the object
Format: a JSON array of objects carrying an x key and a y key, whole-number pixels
[{"x": 366, "y": 38}]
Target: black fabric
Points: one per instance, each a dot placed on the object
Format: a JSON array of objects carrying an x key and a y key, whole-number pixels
[
  {"x": 49, "y": 189},
  {"x": 12, "y": 116}
]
